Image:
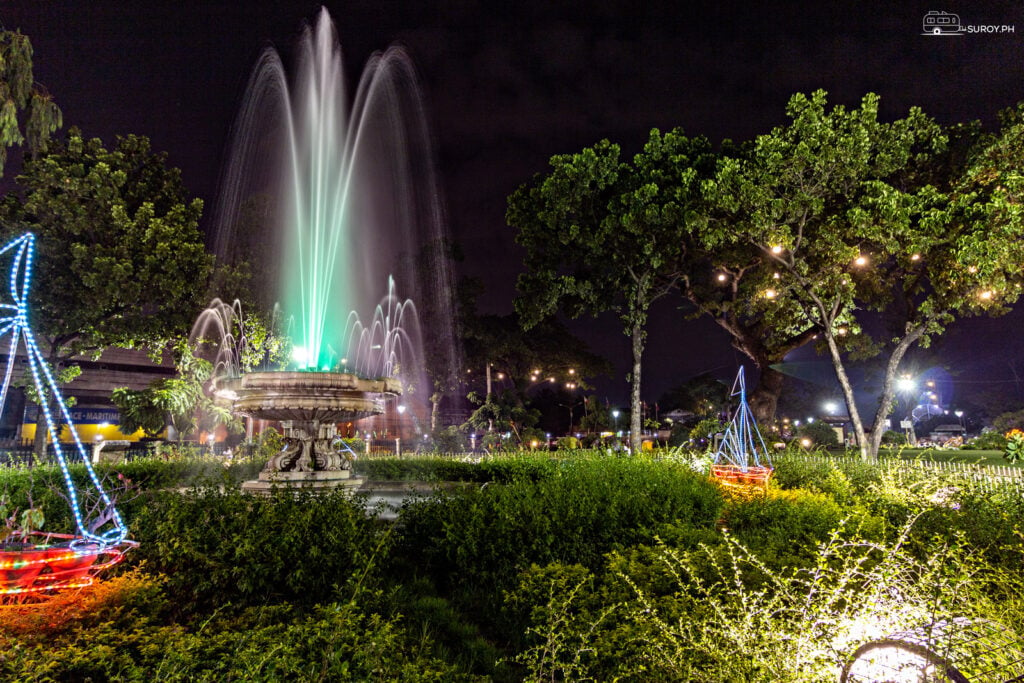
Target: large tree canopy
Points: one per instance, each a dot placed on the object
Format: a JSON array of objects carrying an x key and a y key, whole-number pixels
[
  {"x": 120, "y": 260},
  {"x": 604, "y": 234},
  {"x": 860, "y": 215}
]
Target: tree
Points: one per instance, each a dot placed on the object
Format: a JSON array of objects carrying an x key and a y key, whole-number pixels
[
  {"x": 727, "y": 283},
  {"x": 857, "y": 214},
  {"x": 180, "y": 400},
  {"x": 28, "y": 115},
  {"x": 604, "y": 235},
  {"x": 518, "y": 360},
  {"x": 120, "y": 260},
  {"x": 703, "y": 395}
]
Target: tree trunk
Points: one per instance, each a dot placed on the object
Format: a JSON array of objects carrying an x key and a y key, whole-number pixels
[
  {"x": 435, "y": 409},
  {"x": 637, "y": 337},
  {"x": 764, "y": 400},
  {"x": 487, "y": 372},
  {"x": 851, "y": 404},
  {"x": 39, "y": 442},
  {"x": 888, "y": 388}
]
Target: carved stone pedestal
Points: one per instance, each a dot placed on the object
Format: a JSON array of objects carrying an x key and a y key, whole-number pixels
[
  {"x": 313, "y": 457},
  {"x": 308, "y": 405}
]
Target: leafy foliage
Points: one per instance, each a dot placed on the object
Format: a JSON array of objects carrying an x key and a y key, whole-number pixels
[
  {"x": 28, "y": 115},
  {"x": 604, "y": 234},
  {"x": 120, "y": 260},
  {"x": 182, "y": 400}
]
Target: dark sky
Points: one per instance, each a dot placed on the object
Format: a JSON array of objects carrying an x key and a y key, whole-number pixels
[{"x": 507, "y": 85}]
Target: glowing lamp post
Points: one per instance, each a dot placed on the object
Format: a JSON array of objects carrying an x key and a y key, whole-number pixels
[{"x": 615, "y": 418}]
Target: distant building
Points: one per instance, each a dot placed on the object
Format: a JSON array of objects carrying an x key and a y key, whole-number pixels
[{"x": 93, "y": 413}]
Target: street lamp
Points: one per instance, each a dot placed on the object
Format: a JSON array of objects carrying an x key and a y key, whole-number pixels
[
  {"x": 831, "y": 407},
  {"x": 960, "y": 416},
  {"x": 615, "y": 417}
]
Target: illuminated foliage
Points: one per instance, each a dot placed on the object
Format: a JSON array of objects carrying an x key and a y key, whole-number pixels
[
  {"x": 857, "y": 214},
  {"x": 602, "y": 234}
]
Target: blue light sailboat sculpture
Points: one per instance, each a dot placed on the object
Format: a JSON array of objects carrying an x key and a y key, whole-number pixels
[
  {"x": 741, "y": 460},
  {"x": 40, "y": 564}
]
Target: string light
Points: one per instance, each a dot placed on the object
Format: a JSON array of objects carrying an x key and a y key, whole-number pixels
[{"x": 17, "y": 326}]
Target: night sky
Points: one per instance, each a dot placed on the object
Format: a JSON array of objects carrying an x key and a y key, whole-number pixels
[{"x": 508, "y": 85}]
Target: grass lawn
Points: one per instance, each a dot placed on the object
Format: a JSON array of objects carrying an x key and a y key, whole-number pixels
[{"x": 950, "y": 455}]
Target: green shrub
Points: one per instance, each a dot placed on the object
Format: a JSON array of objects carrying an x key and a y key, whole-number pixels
[
  {"x": 450, "y": 440},
  {"x": 335, "y": 642},
  {"x": 223, "y": 546},
  {"x": 787, "y": 526},
  {"x": 892, "y": 438},
  {"x": 703, "y": 433},
  {"x": 724, "y": 613},
  {"x": 821, "y": 434},
  {"x": 568, "y": 443},
  {"x": 987, "y": 441},
  {"x": 480, "y": 539}
]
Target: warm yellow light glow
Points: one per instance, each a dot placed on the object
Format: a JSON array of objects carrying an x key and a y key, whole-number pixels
[
  {"x": 915, "y": 257},
  {"x": 770, "y": 293},
  {"x": 722, "y": 277},
  {"x": 501, "y": 375},
  {"x": 775, "y": 276},
  {"x": 572, "y": 371},
  {"x": 776, "y": 249},
  {"x": 841, "y": 331},
  {"x": 805, "y": 442},
  {"x": 986, "y": 295},
  {"x": 861, "y": 260}
]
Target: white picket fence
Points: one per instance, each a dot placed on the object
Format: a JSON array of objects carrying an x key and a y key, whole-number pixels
[{"x": 987, "y": 476}]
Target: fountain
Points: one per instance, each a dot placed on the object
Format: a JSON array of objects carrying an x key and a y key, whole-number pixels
[{"x": 327, "y": 199}]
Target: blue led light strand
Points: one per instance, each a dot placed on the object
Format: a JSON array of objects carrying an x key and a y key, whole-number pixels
[
  {"x": 739, "y": 445},
  {"x": 17, "y": 326}
]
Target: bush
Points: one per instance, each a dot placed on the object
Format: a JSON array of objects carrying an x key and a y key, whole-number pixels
[
  {"x": 787, "y": 526},
  {"x": 821, "y": 434},
  {"x": 450, "y": 440},
  {"x": 1007, "y": 421},
  {"x": 727, "y": 613},
  {"x": 480, "y": 539},
  {"x": 987, "y": 441},
  {"x": 703, "y": 433},
  {"x": 124, "y": 642},
  {"x": 220, "y": 546},
  {"x": 568, "y": 443},
  {"x": 891, "y": 438}
]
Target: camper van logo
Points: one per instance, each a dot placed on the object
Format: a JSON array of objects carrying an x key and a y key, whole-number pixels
[
  {"x": 949, "y": 24},
  {"x": 942, "y": 24}
]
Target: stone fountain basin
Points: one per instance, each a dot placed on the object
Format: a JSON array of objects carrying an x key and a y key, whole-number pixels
[{"x": 307, "y": 396}]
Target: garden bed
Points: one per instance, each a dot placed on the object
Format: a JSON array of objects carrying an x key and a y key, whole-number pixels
[{"x": 559, "y": 568}]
